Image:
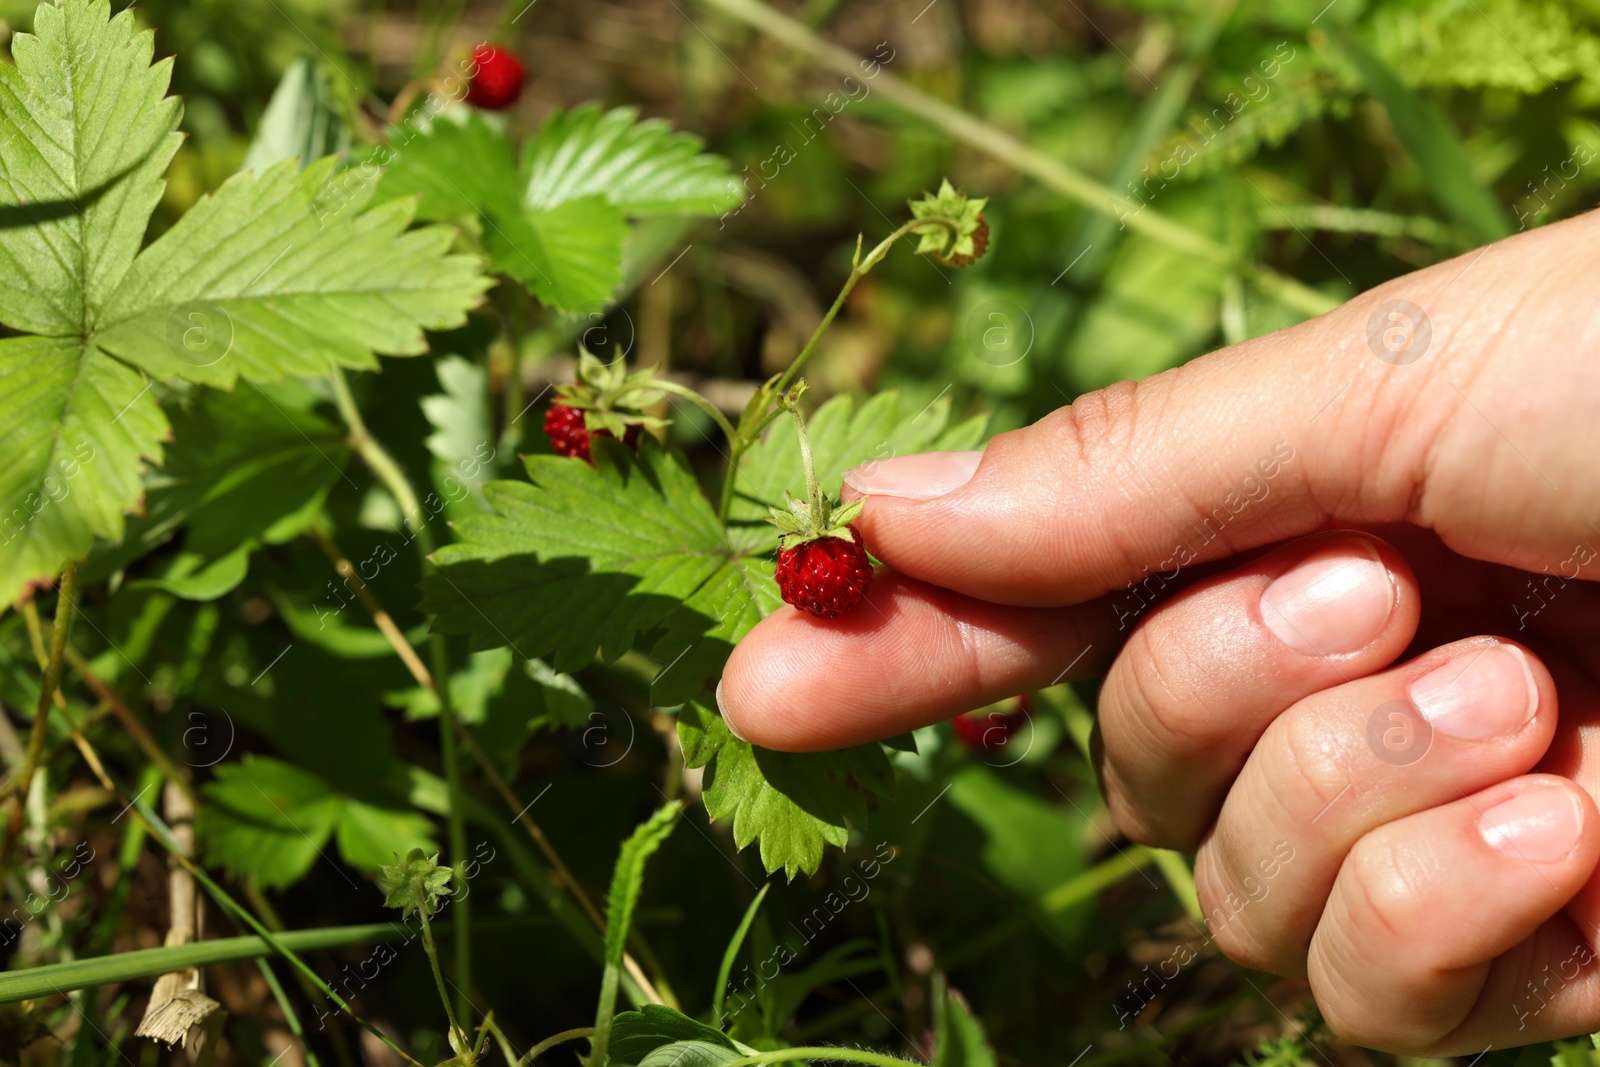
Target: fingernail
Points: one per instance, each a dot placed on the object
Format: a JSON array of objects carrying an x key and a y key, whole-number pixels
[
  {"x": 1478, "y": 696},
  {"x": 1540, "y": 827},
  {"x": 923, "y": 476},
  {"x": 1334, "y": 602},
  {"x": 726, "y": 718}
]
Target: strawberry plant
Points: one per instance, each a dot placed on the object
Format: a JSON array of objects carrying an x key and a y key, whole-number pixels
[{"x": 406, "y": 409}]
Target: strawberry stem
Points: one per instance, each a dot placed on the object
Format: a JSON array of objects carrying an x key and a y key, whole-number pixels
[
  {"x": 757, "y": 417},
  {"x": 858, "y": 270},
  {"x": 813, "y": 488}
]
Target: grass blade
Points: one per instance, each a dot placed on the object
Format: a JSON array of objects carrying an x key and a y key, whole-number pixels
[
  {"x": 1434, "y": 146},
  {"x": 718, "y": 996}
]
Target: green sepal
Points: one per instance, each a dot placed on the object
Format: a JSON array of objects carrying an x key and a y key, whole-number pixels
[
  {"x": 798, "y": 523},
  {"x": 413, "y": 882},
  {"x": 612, "y": 398},
  {"x": 952, "y": 249}
]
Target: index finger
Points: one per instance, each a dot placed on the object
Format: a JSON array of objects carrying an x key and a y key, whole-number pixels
[{"x": 913, "y": 654}]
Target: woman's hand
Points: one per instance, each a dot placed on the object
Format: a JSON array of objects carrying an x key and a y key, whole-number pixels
[{"x": 1338, "y": 580}]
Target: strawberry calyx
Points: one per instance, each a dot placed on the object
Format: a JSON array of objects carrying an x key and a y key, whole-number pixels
[
  {"x": 800, "y": 521},
  {"x": 612, "y": 398},
  {"x": 815, "y": 517},
  {"x": 962, "y": 233}
]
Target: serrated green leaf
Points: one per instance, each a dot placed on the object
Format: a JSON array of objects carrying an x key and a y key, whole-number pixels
[
  {"x": 456, "y": 169},
  {"x": 794, "y": 802},
  {"x": 701, "y": 732},
  {"x": 270, "y": 821},
  {"x": 642, "y": 167},
  {"x": 581, "y": 559},
  {"x": 284, "y": 273},
  {"x": 267, "y": 820},
  {"x": 636, "y": 1034},
  {"x": 701, "y": 635},
  {"x": 302, "y": 120},
  {"x": 76, "y": 428},
  {"x": 86, "y": 129},
  {"x": 627, "y": 882},
  {"x": 569, "y": 255},
  {"x": 842, "y": 437}
]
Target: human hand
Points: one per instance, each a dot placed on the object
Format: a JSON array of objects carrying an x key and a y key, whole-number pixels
[{"x": 1143, "y": 532}]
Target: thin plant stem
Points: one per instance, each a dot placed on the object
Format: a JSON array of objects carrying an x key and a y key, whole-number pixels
[
  {"x": 458, "y": 1036},
  {"x": 753, "y": 422},
  {"x": 290, "y": 1016},
  {"x": 424, "y": 678},
  {"x": 700, "y": 402},
  {"x": 813, "y": 488},
  {"x": 394, "y": 479},
  {"x": 66, "y": 590},
  {"x": 552, "y": 1041}
]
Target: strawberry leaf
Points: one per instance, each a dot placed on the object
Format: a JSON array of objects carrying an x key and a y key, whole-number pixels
[
  {"x": 583, "y": 559},
  {"x": 568, "y": 253},
  {"x": 271, "y": 821},
  {"x": 793, "y": 803},
  {"x": 292, "y": 274},
  {"x": 86, "y": 129},
  {"x": 271, "y": 276},
  {"x": 641, "y": 167}
]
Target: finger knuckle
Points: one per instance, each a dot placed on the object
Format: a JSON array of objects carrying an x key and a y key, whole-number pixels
[{"x": 1317, "y": 762}]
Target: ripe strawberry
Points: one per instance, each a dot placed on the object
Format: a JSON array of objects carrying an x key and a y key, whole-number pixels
[
  {"x": 988, "y": 731},
  {"x": 570, "y": 437},
  {"x": 605, "y": 401},
  {"x": 827, "y": 576},
  {"x": 498, "y": 81},
  {"x": 823, "y": 565}
]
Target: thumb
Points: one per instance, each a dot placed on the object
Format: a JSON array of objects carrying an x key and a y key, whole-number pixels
[{"x": 1432, "y": 399}]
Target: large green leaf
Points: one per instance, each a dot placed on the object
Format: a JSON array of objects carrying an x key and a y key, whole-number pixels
[
  {"x": 75, "y": 429},
  {"x": 569, "y": 254},
  {"x": 285, "y": 273},
  {"x": 86, "y": 129},
  {"x": 271, "y": 821},
  {"x": 271, "y": 276},
  {"x": 582, "y": 558},
  {"x": 642, "y": 167},
  {"x": 793, "y": 803}
]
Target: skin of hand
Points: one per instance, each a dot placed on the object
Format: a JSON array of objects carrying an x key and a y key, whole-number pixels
[{"x": 1339, "y": 581}]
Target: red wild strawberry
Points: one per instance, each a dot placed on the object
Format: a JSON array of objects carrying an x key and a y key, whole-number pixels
[
  {"x": 987, "y": 730},
  {"x": 827, "y": 576},
  {"x": 570, "y": 437},
  {"x": 823, "y": 565},
  {"x": 498, "y": 81},
  {"x": 605, "y": 401}
]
